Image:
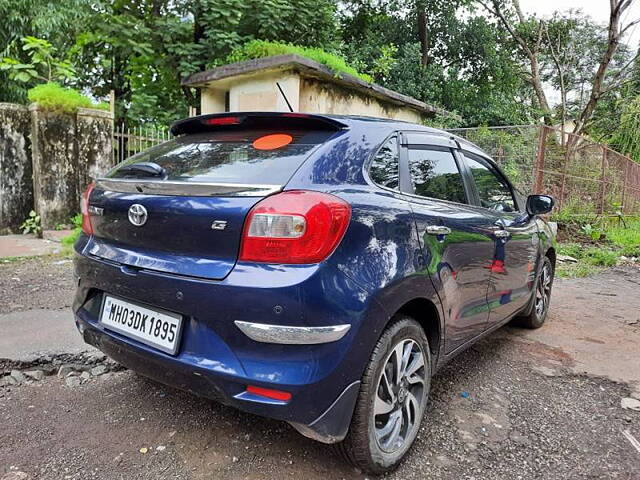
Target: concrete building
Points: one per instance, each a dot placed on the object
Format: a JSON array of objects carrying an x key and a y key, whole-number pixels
[{"x": 309, "y": 87}]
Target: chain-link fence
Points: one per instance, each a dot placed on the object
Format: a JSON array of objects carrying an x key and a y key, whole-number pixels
[{"x": 585, "y": 177}]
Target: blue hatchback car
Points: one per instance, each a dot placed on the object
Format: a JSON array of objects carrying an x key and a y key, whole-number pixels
[{"x": 315, "y": 269}]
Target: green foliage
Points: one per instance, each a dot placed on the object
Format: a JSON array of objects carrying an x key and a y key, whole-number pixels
[
  {"x": 70, "y": 239},
  {"x": 32, "y": 224},
  {"x": 591, "y": 231},
  {"x": 625, "y": 138},
  {"x": 626, "y": 237},
  {"x": 598, "y": 256},
  {"x": 260, "y": 49},
  {"x": 56, "y": 22},
  {"x": 42, "y": 63},
  {"x": 55, "y": 98}
]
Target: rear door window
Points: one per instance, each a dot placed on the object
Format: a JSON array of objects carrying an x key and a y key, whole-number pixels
[
  {"x": 245, "y": 157},
  {"x": 435, "y": 174},
  {"x": 384, "y": 167}
]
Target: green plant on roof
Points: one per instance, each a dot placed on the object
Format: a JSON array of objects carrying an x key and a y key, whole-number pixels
[
  {"x": 53, "y": 97},
  {"x": 261, "y": 49}
]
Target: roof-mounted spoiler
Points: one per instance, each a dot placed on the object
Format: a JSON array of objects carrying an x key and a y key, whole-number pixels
[{"x": 232, "y": 120}]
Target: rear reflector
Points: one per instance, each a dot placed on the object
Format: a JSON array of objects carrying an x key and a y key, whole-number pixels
[
  {"x": 294, "y": 227},
  {"x": 84, "y": 209},
  {"x": 268, "y": 393}
]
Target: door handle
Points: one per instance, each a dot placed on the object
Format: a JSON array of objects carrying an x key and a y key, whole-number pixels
[
  {"x": 502, "y": 233},
  {"x": 438, "y": 230}
]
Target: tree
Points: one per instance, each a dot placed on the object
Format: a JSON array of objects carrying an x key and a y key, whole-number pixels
[
  {"x": 537, "y": 38},
  {"x": 599, "y": 87},
  {"x": 55, "y": 22},
  {"x": 43, "y": 64},
  {"x": 470, "y": 68}
]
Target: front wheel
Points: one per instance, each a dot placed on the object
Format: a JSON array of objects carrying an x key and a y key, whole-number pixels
[
  {"x": 392, "y": 399},
  {"x": 542, "y": 297}
]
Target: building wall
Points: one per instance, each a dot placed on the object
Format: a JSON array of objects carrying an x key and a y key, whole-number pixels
[
  {"x": 259, "y": 92},
  {"x": 316, "y": 97},
  {"x": 253, "y": 93}
]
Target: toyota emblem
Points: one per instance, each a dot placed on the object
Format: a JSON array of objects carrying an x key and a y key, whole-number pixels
[{"x": 138, "y": 215}]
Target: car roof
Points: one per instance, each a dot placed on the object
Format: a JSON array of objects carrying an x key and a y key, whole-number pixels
[{"x": 405, "y": 125}]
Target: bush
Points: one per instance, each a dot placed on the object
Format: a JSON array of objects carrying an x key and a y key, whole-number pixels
[
  {"x": 53, "y": 97},
  {"x": 261, "y": 49}
]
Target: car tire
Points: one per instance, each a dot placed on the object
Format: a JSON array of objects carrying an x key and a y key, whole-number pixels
[
  {"x": 541, "y": 297},
  {"x": 369, "y": 444}
]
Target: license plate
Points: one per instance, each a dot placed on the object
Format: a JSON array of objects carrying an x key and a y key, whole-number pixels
[{"x": 157, "y": 328}]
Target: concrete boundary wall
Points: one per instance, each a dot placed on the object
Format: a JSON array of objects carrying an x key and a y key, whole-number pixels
[
  {"x": 16, "y": 185},
  {"x": 47, "y": 159}
]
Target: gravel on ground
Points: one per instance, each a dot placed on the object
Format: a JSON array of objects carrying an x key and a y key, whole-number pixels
[{"x": 517, "y": 405}]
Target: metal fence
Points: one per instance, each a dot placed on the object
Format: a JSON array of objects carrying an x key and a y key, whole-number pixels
[
  {"x": 585, "y": 177},
  {"x": 129, "y": 141}
]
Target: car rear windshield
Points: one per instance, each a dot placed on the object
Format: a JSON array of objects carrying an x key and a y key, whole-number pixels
[{"x": 267, "y": 157}]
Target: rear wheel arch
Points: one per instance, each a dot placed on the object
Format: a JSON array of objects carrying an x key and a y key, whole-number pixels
[{"x": 425, "y": 312}]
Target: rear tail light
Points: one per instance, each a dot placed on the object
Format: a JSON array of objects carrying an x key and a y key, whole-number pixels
[
  {"x": 297, "y": 226},
  {"x": 84, "y": 209}
]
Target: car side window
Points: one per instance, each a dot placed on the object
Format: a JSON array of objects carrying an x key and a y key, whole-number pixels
[
  {"x": 384, "y": 167},
  {"x": 435, "y": 174},
  {"x": 493, "y": 190}
]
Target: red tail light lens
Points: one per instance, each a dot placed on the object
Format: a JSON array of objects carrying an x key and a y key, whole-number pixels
[
  {"x": 84, "y": 209},
  {"x": 222, "y": 121},
  {"x": 297, "y": 226}
]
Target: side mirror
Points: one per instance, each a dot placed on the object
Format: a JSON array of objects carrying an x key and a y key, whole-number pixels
[{"x": 539, "y": 204}]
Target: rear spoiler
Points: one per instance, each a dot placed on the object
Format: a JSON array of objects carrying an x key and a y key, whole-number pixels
[{"x": 234, "y": 120}]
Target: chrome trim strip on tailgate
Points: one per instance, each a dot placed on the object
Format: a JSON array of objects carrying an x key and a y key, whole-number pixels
[
  {"x": 186, "y": 189},
  {"x": 261, "y": 332}
]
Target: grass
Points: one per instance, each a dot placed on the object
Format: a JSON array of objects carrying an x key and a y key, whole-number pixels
[
  {"x": 614, "y": 242},
  {"x": 626, "y": 238},
  {"x": 261, "y": 49},
  {"x": 69, "y": 240},
  {"x": 576, "y": 270},
  {"x": 58, "y": 99}
]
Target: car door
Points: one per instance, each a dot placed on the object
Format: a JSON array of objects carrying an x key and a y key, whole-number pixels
[
  {"x": 455, "y": 237},
  {"x": 516, "y": 239}
]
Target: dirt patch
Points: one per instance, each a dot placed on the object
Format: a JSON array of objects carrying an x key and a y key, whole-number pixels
[{"x": 38, "y": 283}]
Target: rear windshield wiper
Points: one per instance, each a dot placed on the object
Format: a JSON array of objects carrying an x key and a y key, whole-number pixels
[{"x": 142, "y": 169}]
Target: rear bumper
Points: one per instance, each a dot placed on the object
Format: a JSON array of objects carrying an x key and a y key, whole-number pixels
[
  {"x": 217, "y": 360},
  {"x": 330, "y": 427}
]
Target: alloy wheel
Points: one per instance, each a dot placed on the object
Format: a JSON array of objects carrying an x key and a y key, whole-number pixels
[
  {"x": 400, "y": 396},
  {"x": 543, "y": 290}
]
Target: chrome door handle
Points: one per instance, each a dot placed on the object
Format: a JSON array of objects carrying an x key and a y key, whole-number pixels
[
  {"x": 438, "y": 230},
  {"x": 502, "y": 233}
]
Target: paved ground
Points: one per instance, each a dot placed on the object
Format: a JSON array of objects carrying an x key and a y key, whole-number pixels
[
  {"x": 29, "y": 245},
  {"x": 543, "y": 404}
]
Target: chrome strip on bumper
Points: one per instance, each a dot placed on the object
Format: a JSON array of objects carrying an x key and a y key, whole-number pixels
[
  {"x": 196, "y": 189},
  {"x": 261, "y": 332}
]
